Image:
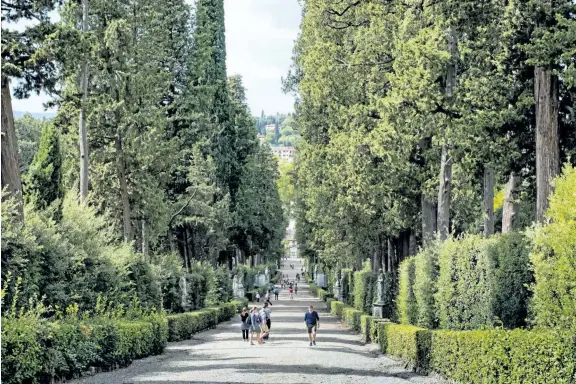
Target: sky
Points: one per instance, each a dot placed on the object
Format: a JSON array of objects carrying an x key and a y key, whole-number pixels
[{"x": 260, "y": 35}]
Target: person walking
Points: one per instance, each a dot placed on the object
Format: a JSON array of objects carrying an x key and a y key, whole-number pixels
[
  {"x": 257, "y": 297},
  {"x": 268, "y": 312},
  {"x": 291, "y": 293},
  {"x": 244, "y": 326},
  {"x": 296, "y": 289},
  {"x": 264, "y": 331},
  {"x": 254, "y": 320},
  {"x": 276, "y": 293},
  {"x": 312, "y": 321}
]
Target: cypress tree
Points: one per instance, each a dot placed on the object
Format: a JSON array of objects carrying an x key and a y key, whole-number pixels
[{"x": 44, "y": 179}]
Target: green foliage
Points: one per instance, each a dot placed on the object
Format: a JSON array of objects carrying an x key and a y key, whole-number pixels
[
  {"x": 43, "y": 183},
  {"x": 498, "y": 356},
  {"x": 410, "y": 343},
  {"x": 184, "y": 325},
  {"x": 364, "y": 284},
  {"x": 337, "y": 308},
  {"x": 553, "y": 255},
  {"x": 512, "y": 274},
  {"x": 407, "y": 305},
  {"x": 465, "y": 284},
  {"x": 352, "y": 316},
  {"x": 28, "y": 130},
  {"x": 425, "y": 285},
  {"x": 366, "y": 327},
  {"x": 35, "y": 348},
  {"x": 221, "y": 287}
]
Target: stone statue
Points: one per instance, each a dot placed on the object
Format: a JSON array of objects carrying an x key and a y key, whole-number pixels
[
  {"x": 183, "y": 292},
  {"x": 238, "y": 285},
  {"x": 378, "y": 305},
  {"x": 267, "y": 274}
]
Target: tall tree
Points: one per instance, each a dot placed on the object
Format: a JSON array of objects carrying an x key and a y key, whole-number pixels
[{"x": 22, "y": 58}]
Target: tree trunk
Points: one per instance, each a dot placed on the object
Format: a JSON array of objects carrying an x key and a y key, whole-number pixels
[
  {"x": 444, "y": 194},
  {"x": 445, "y": 189},
  {"x": 547, "y": 151},
  {"x": 10, "y": 158},
  {"x": 82, "y": 135},
  {"x": 405, "y": 244},
  {"x": 510, "y": 206},
  {"x": 185, "y": 247},
  {"x": 390, "y": 258},
  {"x": 145, "y": 249},
  {"x": 121, "y": 169},
  {"x": 428, "y": 220},
  {"x": 488, "y": 201},
  {"x": 412, "y": 243}
]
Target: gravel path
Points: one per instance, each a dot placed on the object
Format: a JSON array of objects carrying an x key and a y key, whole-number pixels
[{"x": 220, "y": 355}]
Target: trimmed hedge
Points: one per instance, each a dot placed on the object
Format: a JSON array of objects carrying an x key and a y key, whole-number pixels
[
  {"x": 35, "y": 349},
  {"x": 366, "y": 327},
  {"x": 352, "y": 317},
  {"x": 505, "y": 357},
  {"x": 487, "y": 356},
  {"x": 426, "y": 271},
  {"x": 364, "y": 284},
  {"x": 184, "y": 325},
  {"x": 337, "y": 308},
  {"x": 407, "y": 306},
  {"x": 408, "y": 342}
]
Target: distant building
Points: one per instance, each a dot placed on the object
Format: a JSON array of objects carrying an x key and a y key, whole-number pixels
[
  {"x": 285, "y": 153},
  {"x": 270, "y": 128}
]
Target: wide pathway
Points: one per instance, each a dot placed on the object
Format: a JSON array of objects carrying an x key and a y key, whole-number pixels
[{"x": 220, "y": 355}]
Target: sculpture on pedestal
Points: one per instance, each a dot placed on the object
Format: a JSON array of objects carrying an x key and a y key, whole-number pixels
[
  {"x": 183, "y": 292},
  {"x": 378, "y": 305},
  {"x": 267, "y": 274},
  {"x": 238, "y": 285}
]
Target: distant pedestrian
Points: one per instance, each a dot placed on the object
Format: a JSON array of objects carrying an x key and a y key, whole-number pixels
[
  {"x": 264, "y": 331},
  {"x": 268, "y": 312},
  {"x": 276, "y": 292},
  {"x": 291, "y": 293},
  {"x": 254, "y": 326},
  {"x": 296, "y": 289},
  {"x": 244, "y": 326},
  {"x": 257, "y": 297},
  {"x": 312, "y": 321}
]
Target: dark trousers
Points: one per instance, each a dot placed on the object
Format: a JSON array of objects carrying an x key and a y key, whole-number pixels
[
  {"x": 276, "y": 296},
  {"x": 245, "y": 334},
  {"x": 269, "y": 324}
]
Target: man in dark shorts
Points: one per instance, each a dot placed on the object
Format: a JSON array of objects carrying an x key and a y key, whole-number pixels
[{"x": 312, "y": 321}]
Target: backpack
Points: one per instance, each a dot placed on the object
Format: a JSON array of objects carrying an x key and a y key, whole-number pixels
[{"x": 249, "y": 320}]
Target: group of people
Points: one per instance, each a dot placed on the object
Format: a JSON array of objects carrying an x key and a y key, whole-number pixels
[
  {"x": 268, "y": 294},
  {"x": 257, "y": 323}
]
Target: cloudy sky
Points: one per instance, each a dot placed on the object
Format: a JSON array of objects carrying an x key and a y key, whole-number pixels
[{"x": 259, "y": 38}]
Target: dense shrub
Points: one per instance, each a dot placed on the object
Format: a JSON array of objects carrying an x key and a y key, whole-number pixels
[
  {"x": 425, "y": 285},
  {"x": 407, "y": 307},
  {"x": 509, "y": 255},
  {"x": 348, "y": 285},
  {"x": 498, "y": 356},
  {"x": 337, "y": 308},
  {"x": 34, "y": 348},
  {"x": 352, "y": 316},
  {"x": 365, "y": 327},
  {"x": 464, "y": 283},
  {"x": 184, "y": 325},
  {"x": 554, "y": 257},
  {"x": 364, "y": 283},
  {"x": 408, "y": 342}
]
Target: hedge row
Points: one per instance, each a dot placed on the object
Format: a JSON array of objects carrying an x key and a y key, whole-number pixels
[
  {"x": 467, "y": 283},
  {"x": 364, "y": 284},
  {"x": 37, "y": 350},
  {"x": 184, "y": 325},
  {"x": 319, "y": 292},
  {"x": 487, "y": 356}
]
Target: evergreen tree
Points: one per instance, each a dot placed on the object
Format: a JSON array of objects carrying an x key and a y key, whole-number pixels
[{"x": 43, "y": 181}]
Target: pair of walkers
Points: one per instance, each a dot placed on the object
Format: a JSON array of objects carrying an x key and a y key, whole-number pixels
[{"x": 256, "y": 323}]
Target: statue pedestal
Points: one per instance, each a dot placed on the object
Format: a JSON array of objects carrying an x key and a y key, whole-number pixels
[
  {"x": 337, "y": 290},
  {"x": 321, "y": 280},
  {"x": 378, "y": 310}
]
